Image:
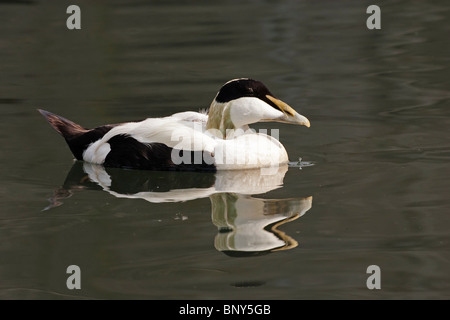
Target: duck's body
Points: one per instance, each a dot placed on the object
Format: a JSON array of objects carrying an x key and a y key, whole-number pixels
[{"x": 220, "y": 140}]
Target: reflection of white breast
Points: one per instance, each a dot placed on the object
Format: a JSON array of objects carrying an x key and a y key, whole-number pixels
[{"x": 254, "y": 181}]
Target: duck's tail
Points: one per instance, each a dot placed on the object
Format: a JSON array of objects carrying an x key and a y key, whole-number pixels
[
  {"x": 77, "y": 137},
  {"x": 68, "y": 129}
]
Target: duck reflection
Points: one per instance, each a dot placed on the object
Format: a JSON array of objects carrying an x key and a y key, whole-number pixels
[{"x": 246, "y": 225}]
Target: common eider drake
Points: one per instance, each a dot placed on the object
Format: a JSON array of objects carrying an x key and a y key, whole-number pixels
[{"x": 219, "y": 140}]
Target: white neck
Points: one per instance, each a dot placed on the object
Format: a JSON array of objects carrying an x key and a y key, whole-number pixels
[
  {"x": 219, "y": 119},
  {"x": 239, "y": 113}
]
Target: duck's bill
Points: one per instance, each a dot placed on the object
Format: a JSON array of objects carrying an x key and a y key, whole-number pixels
[
  {"x": 289, "y": 114},
  {"x": 296, "y": 119}
]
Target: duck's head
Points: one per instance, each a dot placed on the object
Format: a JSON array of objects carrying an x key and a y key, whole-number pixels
[{"x": 241, "y": 102}]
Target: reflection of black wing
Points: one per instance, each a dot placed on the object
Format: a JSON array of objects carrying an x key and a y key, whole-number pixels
[
  {"x": 134, "y": 181},
  {"x": 78, "y": 179},
  {"x": 130, "y": 182}
]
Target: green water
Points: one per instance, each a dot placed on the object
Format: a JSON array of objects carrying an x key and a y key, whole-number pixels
[{"x": 376, "y": 194}]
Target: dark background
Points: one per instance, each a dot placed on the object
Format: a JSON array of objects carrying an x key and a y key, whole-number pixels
[{"x": 378, "y": 102}]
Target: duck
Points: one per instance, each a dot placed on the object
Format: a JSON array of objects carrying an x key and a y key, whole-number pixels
[{"x": 217, "y": 139}]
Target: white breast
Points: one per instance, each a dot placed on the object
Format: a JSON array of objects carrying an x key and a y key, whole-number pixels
[{"x": 248, "y": 151}]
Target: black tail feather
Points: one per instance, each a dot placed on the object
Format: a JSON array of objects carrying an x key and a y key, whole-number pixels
[
  {"x": 66, "y": 128},
  {"x": 77, "y": 137}
]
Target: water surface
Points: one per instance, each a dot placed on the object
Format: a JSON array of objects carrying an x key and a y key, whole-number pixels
[{"x": 377, "y": 194}]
